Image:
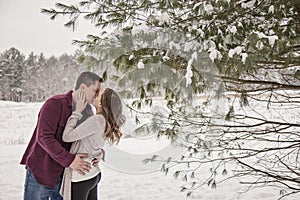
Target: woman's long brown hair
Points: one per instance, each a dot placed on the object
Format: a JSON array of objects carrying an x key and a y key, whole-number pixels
[{"x": 112, "y": 111}]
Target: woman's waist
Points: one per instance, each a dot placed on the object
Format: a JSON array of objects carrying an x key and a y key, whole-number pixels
[{"x": 93, "y": 171}]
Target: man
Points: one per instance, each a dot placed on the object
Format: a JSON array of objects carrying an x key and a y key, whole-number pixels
[{"x": 47, "y": 155}]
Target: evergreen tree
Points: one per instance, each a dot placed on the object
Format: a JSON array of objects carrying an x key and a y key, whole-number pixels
[
  {"x": 229, "y": 51},
  {"x": 46, "y": 77},
  {"x": 12, "y": 68}
]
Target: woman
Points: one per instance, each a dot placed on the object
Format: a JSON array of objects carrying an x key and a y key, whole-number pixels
[{"x": 89, "y": 137}]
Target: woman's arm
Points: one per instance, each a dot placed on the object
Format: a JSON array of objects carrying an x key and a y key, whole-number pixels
[
  {"x": 70, "y": 127},
  {"x": 89, "y": 127}
]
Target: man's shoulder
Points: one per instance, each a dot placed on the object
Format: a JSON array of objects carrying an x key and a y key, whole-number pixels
[
  {"x": 62, "y": 96},
  {"x": 60, "y": 105},
  {"x": 60, "y": 99}
]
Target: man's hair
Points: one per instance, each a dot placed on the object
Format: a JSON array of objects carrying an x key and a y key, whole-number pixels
[{"x": 88, "y": 78}]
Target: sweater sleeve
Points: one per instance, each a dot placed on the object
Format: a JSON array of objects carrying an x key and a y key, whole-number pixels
[{"x": 87, "y": 128}]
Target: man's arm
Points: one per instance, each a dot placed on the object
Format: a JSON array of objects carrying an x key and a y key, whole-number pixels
[{"x": 48, "y": 123}]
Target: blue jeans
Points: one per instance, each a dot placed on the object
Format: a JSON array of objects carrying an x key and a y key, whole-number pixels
[{"x": 36, "y": 191}]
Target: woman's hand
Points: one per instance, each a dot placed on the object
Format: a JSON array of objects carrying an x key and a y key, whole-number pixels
[{"x": 80, "y": 102}]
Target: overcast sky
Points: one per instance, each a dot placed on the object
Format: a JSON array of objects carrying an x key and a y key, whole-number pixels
[{"x": 24, "y": 27}]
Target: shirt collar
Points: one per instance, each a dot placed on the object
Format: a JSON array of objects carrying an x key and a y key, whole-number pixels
[{"x": 69, "y": 98}]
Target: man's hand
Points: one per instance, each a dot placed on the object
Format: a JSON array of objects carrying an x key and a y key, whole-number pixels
[
  {"x": 97, "y": 158},
  {"x": 80, "y": 165},
  {"x": 95, "y": 162}
]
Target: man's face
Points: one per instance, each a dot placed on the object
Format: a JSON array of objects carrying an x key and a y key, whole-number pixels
[{"x": 92, "y": 91}]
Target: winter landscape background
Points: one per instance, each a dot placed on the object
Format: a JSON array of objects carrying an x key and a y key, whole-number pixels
[
  {"x": 17, "y": 121},
  {"x": 239, "y": 61}
]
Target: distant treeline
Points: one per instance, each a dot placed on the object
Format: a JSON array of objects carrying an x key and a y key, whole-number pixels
[{"x": 34, "y": 77}]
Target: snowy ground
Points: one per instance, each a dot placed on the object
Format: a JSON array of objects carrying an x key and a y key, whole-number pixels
[{"x": 17, "y": 121}]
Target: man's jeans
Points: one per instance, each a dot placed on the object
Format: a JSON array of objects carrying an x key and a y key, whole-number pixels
[{"x": 36, "y": 191}]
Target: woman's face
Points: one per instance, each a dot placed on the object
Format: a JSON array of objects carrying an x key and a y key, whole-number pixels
[
  {"x": 92, "y": 91},
  {"x": 97, "y": 101}
]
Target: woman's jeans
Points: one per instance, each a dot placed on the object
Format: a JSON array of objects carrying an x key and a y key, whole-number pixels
[{"x": 36, "y": 191}]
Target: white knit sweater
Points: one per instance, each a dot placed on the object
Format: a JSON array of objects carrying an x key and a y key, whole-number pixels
[{"x": 88, "y": 138}]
